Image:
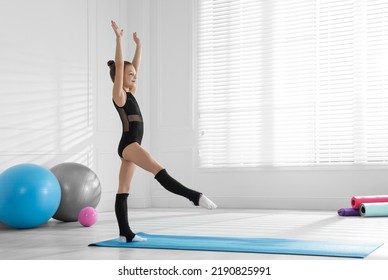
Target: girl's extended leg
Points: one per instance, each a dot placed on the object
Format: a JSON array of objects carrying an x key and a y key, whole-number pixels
[
  {"x": 136, "y": 154},
  {"x": 127, "y": 171},
  {"x": 139, "y": 156}
]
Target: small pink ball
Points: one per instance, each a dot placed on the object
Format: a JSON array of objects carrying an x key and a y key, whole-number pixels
[{"x": 87, "y": 216}]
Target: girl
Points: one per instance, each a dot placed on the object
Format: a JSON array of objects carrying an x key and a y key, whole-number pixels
[{"x": 124, "y": 77}]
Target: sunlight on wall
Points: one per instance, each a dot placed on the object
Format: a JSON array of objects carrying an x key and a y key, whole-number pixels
[{"x": 46, "y": 101}]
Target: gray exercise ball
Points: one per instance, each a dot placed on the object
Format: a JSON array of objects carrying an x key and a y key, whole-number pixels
[{"x": 80, "y": 188}]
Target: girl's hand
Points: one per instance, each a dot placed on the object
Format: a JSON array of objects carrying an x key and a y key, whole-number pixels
[
  {"x": 117, "y": 30},
  {"x": 136, "y": 39}
]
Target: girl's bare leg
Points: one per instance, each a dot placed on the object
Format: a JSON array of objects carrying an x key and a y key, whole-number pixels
[
  {"x": 127, "y": 170},
  {"x": 136, "y": 154}
]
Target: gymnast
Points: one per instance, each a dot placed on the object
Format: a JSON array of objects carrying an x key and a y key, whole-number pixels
[{"x": 132, "y": 154}]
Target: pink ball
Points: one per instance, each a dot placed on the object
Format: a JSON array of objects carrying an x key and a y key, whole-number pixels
[{"x": 87, "y": 216}]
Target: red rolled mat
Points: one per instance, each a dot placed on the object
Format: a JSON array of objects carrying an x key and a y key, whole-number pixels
[{"x": 356, "y": 201}]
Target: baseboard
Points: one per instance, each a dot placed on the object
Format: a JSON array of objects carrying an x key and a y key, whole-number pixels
[{"x": 312, "y": 203}]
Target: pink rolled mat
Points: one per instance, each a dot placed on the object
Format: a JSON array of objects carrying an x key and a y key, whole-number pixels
[
  {"x": 349, "y": 212},
  {"x": 356, "y": 201}
]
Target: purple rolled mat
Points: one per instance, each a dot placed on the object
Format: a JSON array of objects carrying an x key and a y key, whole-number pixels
[{"x": 349, "y": 212}]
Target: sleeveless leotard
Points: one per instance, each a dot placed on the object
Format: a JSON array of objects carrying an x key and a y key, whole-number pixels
[{"x": 132, "y": 122}]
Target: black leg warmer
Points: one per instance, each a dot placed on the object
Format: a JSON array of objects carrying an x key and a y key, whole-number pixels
[
  {"x": 121, "y": 210},
  {"x": 174, "y": 186}
]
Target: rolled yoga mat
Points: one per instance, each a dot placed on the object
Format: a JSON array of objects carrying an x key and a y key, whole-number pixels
[
  {"x": 374, "y": 209},
  {"x": 248, "y": 245},
  {"x": 356, "y": 201},
  {"x": 349, "y": 212}
]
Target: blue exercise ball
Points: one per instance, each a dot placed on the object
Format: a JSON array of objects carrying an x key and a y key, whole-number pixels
[{"x": 29, "y": 195}]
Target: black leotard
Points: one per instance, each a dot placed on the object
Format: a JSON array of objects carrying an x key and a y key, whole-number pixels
[{"x": 132, "y": 122}]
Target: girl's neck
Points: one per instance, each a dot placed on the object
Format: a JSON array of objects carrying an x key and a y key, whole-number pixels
[{"x": 129, "y": 90}]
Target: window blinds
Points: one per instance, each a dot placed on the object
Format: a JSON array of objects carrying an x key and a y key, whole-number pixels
[{"x": 292, "y": 83}]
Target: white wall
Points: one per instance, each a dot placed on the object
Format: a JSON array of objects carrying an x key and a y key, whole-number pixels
[
  {"x": 56, "y": 106},
  {"x": 55, "y": 88}
]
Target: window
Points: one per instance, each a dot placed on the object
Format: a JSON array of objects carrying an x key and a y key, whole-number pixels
[{"x": 292, "y": 83}]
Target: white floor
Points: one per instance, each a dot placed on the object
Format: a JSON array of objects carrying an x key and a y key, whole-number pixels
[{"x": 57, "y": 240}]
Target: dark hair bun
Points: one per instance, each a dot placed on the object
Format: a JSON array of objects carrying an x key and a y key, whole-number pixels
[{"x": 111, "y": 63}]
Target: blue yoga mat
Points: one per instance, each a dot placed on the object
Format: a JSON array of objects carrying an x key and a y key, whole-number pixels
[{"x": 249, "y": 245}]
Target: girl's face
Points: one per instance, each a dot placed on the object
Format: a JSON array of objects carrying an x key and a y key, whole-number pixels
[{"x": 130, "y": 77}]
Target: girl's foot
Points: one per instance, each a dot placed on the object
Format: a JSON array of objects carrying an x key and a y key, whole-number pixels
[
  {"x": 206, "y": 203},
  {"x": 136, "y": 238}
]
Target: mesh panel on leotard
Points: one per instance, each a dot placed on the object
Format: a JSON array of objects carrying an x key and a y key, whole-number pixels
[{"x": 130, "y": 112}]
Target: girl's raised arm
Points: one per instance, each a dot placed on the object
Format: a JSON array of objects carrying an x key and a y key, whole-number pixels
[
  {"x": 118, "y": 91},
  {"x": 137, "y": 56}
]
